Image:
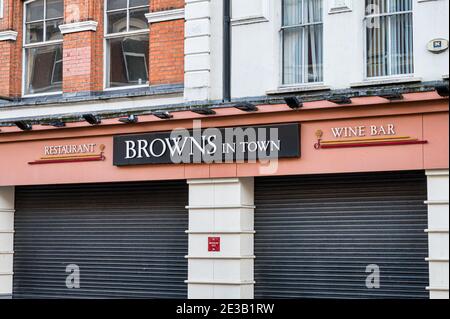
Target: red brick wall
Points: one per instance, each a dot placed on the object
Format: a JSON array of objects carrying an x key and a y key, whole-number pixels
[
  {"x": 167, "y": 52},
  {"x": 166, "y": 46},
  {"x": 11, "y": 51},
  {"x": 161, "y": 5},
  {"x": 83, "y": 52}
]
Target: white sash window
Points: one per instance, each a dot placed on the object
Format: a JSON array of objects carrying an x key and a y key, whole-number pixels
[
  {"x": 302, "y": 41},
  {"x": 127, "y": 43},
  {"x": 43, "y": 46},
  {"x": 389, "y": 38}
]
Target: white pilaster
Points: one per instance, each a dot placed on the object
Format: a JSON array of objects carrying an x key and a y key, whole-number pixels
[
  {"x": 6, "y": 240},
  {"x": 197, "y": 80},
  {"x": 221, "y": 208},
  {"x": 438, "y": 233}
]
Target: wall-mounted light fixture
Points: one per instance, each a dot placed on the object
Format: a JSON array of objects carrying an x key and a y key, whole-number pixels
[
  {"x": 340, "y": 99},
  {"x": 293, "y": 102},
  {"x": 391, "y": 96},
  {"x": 246, "y": 107},
  {"x": 131, "y": 119},
  {"x": 442, "y": 90},
  {"x": 23, "y": 125},
  {"x": 92, "y": 119},
  {"x": 204, "y": 111},
  {"x": 163, "y": 115}
]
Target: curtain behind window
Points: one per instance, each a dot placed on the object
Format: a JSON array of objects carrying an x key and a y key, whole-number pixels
[
  {"x": 302, "y": 41},
  {"x": 389, "y": 38}
]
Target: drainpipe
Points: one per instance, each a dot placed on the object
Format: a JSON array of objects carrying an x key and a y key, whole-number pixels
[{"x": 227, "y": 50}]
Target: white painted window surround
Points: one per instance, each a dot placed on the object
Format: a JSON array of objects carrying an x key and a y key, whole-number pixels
[
  {"x": 8, "y": 35},
  {"x": 78, "y": 27},
  {"x": 166, "y": 15},
  {"x": 1, "y": 9},
  {"x": 340, "y": 6},
  {"x": 250, "y": 12}
]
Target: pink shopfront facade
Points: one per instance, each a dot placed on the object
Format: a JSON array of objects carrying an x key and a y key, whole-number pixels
[{"x": 366, "y": 196}]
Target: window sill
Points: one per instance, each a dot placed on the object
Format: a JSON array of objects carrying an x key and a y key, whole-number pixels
[
  {"x": 385, "y": 81},
  {"x": 25, "y": 96},
  {"x": 125, "y": 88},
  {"x": 299, "y": 88}
]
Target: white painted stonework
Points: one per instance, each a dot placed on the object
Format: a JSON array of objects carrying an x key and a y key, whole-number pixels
[
  {"x": 249, "y": 12},
  {"x": 8, "y": 35},
  {"x": 257, "y": 47},
  {"x": 167, "y": 15},
  {"x": 438, "y": 233},
  {"x": 339, "y": 6},
  {"x": 6, "y": 240},
  {"x": 221, "y": 208},
  {"x": 197, "y": 80},
  {"x": 78, "y": 27}
]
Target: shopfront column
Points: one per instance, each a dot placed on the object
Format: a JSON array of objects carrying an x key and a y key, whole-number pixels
[
  {"x": 221, "y": 234},
  {"x": 438, "y": 233},
  {"x": 6, "y": 241}
]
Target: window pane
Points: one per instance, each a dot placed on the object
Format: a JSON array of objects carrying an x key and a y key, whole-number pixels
[
  {"x": 388, "y": 6},
  {"x": 293, "y": 56},
  {"x": 35, "y": 32},
  {"x": 43, "y": 69},
  {"x": 303, "y": 44},
  {"x": 128, "y": 61},
  {"x": 135, "y": 3},
  {"x": 35, "y": 10},
  {"x": 389, "y": 45},
  {"x": 138, "y": 21},
  {"x": 116, "y": 4},
  {"x": 117, "y": 22},
  {"x": 293, "y": 12},
  {"x": 313, "y": 10},
  {"x": 401, "y": 50},
  {"x": 314, "y": 40},
  {"x": 53, "y": 32},
  {"x": 55, "y": 9}
]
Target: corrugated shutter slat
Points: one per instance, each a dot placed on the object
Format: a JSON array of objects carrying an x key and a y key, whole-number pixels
[
  {"x": 315, "y": 235},
  {"x": 128, "y": 240}
]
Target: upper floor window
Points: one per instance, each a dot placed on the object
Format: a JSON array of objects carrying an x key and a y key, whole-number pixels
[
  {"x": 302, "y": 41},
  {"x": 1, "y": 9},
  {"x": 43, "y": 46},
  {"x": 127, "y": 43},
  {"x": 389, "y": 38}
]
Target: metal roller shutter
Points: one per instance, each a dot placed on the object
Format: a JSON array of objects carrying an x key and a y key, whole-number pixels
[
  {"x": 315, "y": 235},
  {"x": 128, "y": 240}
]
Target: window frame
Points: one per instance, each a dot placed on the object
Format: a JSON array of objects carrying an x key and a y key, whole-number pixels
[
  {"x": 282, "y": 83},
  {"x": 108, "y": 36},
  {"x": 1, "y": 9},
  {"x": 43, "y": 43},
  {"x": 380, "y": 15}
]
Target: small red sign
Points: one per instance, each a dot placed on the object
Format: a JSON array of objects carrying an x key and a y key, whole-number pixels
[{"x": 214, "y": 244}]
